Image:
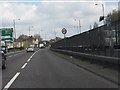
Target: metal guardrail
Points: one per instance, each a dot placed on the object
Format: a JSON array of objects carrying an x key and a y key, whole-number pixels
[{"x": 113, "y": 60}]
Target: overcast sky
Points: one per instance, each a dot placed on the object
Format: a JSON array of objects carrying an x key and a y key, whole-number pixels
[{"x": 47, "y": 18}]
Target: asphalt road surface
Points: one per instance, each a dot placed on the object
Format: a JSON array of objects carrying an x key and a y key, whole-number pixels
[{"x": 43, "y": 69}]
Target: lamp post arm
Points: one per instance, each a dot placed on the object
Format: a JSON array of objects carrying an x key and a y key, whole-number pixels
[{"x": 103, "y": 9}]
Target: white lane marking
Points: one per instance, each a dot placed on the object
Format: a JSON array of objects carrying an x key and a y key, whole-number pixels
[
  {"x": 11, "y": 81},
  {"x": 28, "y": 60},
  {"x": 17, "y": 74},
  {"x": 33, "y": 54},
  {"x": 23, "y": 66}
]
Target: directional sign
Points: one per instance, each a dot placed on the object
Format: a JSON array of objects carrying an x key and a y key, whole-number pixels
[
  {"x": 6, "y": 34},
  {"x": 64, "y": 31}
]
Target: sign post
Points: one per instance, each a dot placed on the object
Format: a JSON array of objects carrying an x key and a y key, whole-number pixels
[{"x": 64, "y": 31}]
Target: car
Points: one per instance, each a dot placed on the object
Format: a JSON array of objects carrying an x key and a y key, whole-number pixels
[
  {"x": 4, "y": 60},
  {"x": 30, "y": 49}
]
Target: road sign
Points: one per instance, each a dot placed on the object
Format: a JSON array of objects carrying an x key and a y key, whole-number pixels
[
  {"x": 64, "y": 31},
  {"x": 6, "y": 34}
]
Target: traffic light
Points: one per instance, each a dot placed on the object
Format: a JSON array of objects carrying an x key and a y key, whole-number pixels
[{"x": 101, "y": 18}]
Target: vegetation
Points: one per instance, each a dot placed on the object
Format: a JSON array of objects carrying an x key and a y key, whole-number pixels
[
  {"x": 95, "y": 25},
  {"x": 114, "y": 16}
]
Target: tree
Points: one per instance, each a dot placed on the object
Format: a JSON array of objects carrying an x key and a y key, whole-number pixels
[
  {"x": 23, "y": 37},
  {"x": 90, "y": 27},
  {"x": 114, "y": 16},
  {"x": 95, "y": 25},
  {"x": 37, "y": 36}
]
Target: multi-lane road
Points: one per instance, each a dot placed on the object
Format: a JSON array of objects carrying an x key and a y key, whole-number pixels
[{"x": 43, "y": 69}]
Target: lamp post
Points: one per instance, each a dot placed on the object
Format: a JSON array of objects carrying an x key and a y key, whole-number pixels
[
  {"x": 102, "y": 11},
  {"x": 41, "y": 32},
  {"x": 100, "y": 19},
  {"x": 14, "y": 27},
  {"x": 79, "y": 25},
  {"x": 29, "y": 29}
]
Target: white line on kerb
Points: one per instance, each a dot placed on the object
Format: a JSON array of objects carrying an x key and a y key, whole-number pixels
[
  {"x": 11, "y": 81},
  {"x": 24, "y": 66}
]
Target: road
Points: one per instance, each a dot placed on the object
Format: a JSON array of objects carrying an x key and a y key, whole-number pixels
[{"x": 43, "y": 69}]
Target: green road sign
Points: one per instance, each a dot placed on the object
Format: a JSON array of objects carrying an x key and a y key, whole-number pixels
[{"x": 6, "y": 34}]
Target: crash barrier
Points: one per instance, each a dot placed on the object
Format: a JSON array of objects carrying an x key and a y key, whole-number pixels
[
  {"x": 105, "y": 60},
  {"x": 113, "y": 60},
  {"x": 108, "y": 52}
]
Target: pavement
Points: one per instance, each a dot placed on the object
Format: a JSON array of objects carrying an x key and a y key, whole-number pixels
[
  {"x": 14, "y": 52},
  {"x": 44, "y": 69}
]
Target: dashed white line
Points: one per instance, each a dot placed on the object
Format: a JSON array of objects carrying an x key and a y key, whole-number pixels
[
  {"x": 17, "y": 74},
  {"x": 34, "y": 54},
  {"x": 11, "y": 81},
  {"x": 28, "y": 60},
  {"x": 23, "y": 66}
]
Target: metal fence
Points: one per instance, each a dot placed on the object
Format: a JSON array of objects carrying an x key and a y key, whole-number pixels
[{"x": 104, "y": 40}]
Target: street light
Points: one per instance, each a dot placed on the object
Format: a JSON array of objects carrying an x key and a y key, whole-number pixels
[
  {"x": 102, "y": 7},
  {"x": 79, "y": 24},
  {"x": 29, "y": 29},
  {"x": 14, "y": 27},
  {"x": 102, "y": 18},
  {"x": 40, "y": 32}
]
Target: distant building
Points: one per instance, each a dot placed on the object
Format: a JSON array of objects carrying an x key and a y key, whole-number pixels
[
  {"x": 35, "y": 42},
  {"x": 18, "y": 43}
]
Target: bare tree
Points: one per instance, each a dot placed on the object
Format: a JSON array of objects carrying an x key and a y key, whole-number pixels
[
  {"x": 37, "y": 36},
  {"x": 95, "y": 25}
]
